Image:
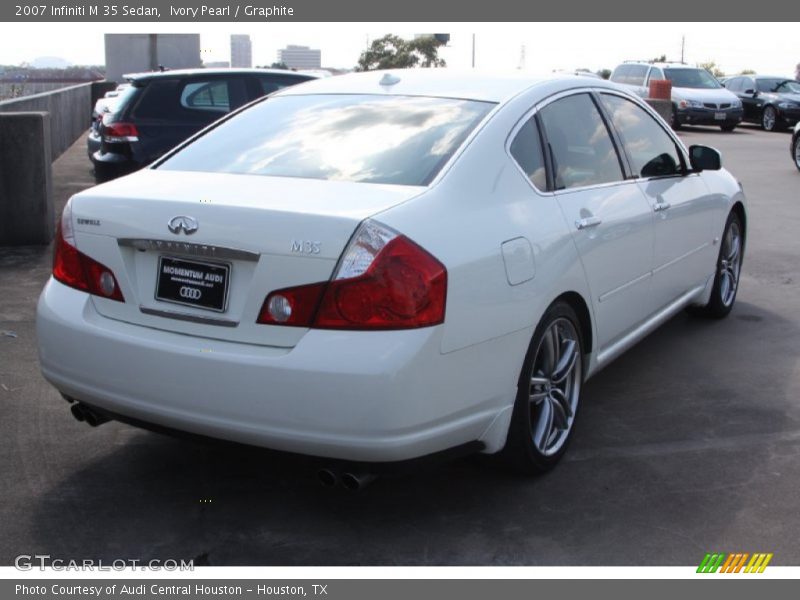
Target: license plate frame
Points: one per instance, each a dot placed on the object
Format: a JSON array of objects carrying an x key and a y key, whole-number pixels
[
  {"x": 189, "y": 289},
  {"x": 719, "y": 116}
]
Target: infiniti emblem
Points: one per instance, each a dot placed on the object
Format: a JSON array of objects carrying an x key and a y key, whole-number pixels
[{"x": 186, "y": 224}]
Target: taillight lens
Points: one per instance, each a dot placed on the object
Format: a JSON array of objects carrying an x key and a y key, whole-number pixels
[
  {"x": 384, "y": 281},
  {"x": 73, "y": 268},
  {"x": 116, "y": 132}
]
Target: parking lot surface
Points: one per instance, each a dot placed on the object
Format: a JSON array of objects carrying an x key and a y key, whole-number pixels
[{"x": 687, "y": 444}]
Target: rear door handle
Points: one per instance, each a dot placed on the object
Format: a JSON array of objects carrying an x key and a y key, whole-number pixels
[
  {"x": 659, "y": 206},
  {"x": 587, "y": 222}
]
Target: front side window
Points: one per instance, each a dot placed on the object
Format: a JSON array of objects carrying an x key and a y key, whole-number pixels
[
  {"x": 692, "y": 78},
  {"x": 652, "y": 151},
  {"x": 579, "y": 143},
  {"x": 402, "y": 140},
  {"x": 778, "y": 86},
  {"x": 527, "y": 151}
]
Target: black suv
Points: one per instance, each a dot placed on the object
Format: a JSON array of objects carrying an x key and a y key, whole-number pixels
[{"x": 162, "y": 109}]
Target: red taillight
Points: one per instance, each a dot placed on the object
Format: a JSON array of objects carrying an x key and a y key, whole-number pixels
[
  {"x": 403, "y": 287},
  {"x": 119, "y": 132},
  {"x": 75, "y": 269}
]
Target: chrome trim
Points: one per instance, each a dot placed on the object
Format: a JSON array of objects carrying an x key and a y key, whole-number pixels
[
  {"x": 178, "y": 316},
  {"x": 631, "y": 338},
  {"x": 189, "y": 249},
  {"x": 660, "y": 206}
]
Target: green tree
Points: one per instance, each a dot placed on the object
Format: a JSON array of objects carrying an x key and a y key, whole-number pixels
[
  {"x": 279, "y": 65},
  {"x": 712, "y": 68},
  {"x": 393, "y": 52},
  {"x": 662, "y": 58},
  {"x": 604, "y": 73},
  {"x": 747, "y": 72}
]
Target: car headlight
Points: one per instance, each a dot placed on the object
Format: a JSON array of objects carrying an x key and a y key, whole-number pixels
[
  {"x": 736, "y": 103},
  {"x": 690, "y": 104},
  {"x": 788, "y": 105}
]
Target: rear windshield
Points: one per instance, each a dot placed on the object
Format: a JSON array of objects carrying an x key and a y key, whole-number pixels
[
  {"x": 401, "y": 140},
  {"x": 692, "y": 78}
]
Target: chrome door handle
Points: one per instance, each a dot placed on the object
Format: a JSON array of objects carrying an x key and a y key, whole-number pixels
[
  {"x": 587, "y": 222},
  {"x": 659, "y": 206}
]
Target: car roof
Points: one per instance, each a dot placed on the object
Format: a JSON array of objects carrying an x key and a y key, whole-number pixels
[
  {"x": 662, "y": 65},
  {"x": 443, "y": 83},
  {"x": 217, "y": 71}
]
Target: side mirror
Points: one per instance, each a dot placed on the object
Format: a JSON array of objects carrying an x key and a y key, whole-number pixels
[
  {"x": 704, "y": 158},
  {"x": 751, "y": 92}
]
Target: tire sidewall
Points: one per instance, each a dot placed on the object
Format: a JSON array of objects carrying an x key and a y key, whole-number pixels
[{"x": 716, "y": 307}]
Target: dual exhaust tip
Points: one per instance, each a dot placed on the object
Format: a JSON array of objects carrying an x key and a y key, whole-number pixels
[
  {"x": 88, "y": 415},
  {"x": 354, "y": 481}
]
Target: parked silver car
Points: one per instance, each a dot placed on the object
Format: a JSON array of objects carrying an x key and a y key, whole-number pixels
[{"x": 698, "y": 98}]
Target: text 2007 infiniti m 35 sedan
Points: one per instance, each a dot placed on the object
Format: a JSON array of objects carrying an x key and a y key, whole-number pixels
[{"x": 388, "y": 265}]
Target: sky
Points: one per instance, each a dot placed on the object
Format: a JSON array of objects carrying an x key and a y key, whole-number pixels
[{"x": 769, "y": 48}]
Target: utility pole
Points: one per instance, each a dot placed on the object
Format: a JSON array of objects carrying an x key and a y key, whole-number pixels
[{"x": 683, "y": 46}]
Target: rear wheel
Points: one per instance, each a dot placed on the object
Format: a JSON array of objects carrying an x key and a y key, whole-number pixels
[
  {"x": 548, "y": 393},
  {"x": 729, "y": 266}
]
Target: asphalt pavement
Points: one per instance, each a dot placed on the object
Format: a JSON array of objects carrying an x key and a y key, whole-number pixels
[{"x": 687, "y": 444}]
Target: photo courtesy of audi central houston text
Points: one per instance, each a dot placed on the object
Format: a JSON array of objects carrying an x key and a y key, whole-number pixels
[{"x": 385, "y": 266}]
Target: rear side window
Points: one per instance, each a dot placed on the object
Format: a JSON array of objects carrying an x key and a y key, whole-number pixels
[
  {"x": 189, "y": 99},
  {"x": 206, "y": 95},
  {"x": 367, "y": 138},
  {"x": 637, "y": 74},
  {"x": 652, "y": 151},
  {"x": 527, "y": 151},
  {"x": 579, "y": 143}
]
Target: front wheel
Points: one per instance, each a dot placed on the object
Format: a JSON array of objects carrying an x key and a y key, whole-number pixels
[
  {"x": 548, "y": 393},
  {"x": 796, "y": 151},
  {"x": 769, "y": 119},
  {"x": 729, "y": 266}
]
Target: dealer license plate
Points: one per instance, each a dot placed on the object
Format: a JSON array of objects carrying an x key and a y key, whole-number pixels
[{"x": 193, "y": 283}]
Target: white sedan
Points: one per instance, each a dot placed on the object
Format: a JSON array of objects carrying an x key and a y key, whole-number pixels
[{"x": 382, "y": 266}]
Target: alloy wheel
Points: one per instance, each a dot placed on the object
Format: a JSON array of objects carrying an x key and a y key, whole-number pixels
[
  {"x": 730, "y": 263},
  {"x": 555, "y": 385},
  {"x": 768, "y": 119},
  {"x": 797, "y": 151}
]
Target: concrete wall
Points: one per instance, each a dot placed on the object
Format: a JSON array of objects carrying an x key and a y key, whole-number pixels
[
  {"x": 70, "y": 113},
  {"x": 26, "y": 192},
  {"x": 138, "y": 52}
]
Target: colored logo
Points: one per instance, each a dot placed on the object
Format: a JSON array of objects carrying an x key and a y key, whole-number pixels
[{"x": 736, "y": 562}]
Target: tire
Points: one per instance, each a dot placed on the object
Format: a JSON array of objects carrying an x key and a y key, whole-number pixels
[
  {"x": 728, "y": 128},
  {"x": 675, "y": 123},
  {"x": 548, "y": 393},
  {"x": 796, "y": 151},
  {"x": 728, "y": 271},
  {"x": 769, "y": 119}
]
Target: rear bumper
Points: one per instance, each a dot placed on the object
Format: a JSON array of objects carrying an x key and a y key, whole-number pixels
[
  {"x": 362, "y": 396},
  {"x": 109, "y": 165}
]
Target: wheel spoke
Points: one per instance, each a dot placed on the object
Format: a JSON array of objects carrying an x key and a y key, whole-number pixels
[
  {"x": 560, "y": 398},
  {"x": 560, "y": 421},
  {"x": 733, "y": 249},
  {"x": 543, "y": 428},
  {"x": 569, "y": 356}
]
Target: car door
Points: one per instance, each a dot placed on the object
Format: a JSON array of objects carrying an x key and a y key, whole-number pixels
[
  {"x": 683, "y": 208},
  {"x": 751, "y": 104},
  {"x": 611, "y": 222}
]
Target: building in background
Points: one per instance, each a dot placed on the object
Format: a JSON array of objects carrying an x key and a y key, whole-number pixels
[
  {"x": 217, "y": 64},
  {"x": 138, "y": 52},
  {"x": 241, "y": 51},
  {"x": 300, "y": 57}
]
